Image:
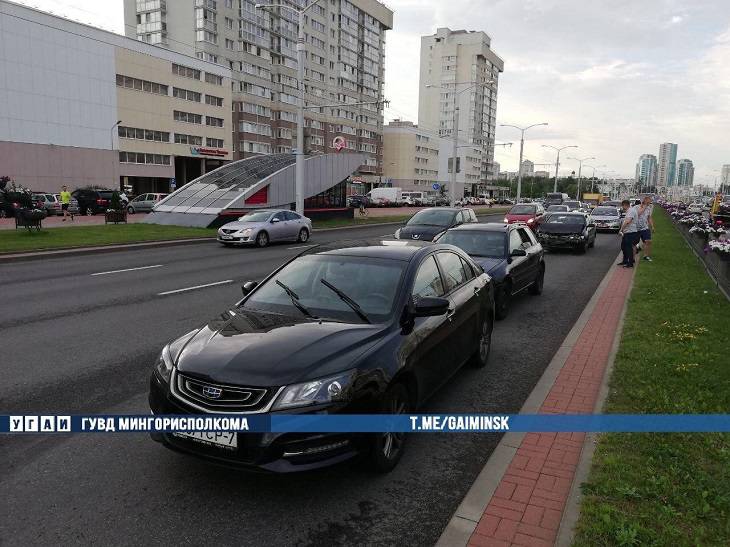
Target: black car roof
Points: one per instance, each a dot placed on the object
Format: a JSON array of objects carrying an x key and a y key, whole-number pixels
[{"x": 372, "y": 248}]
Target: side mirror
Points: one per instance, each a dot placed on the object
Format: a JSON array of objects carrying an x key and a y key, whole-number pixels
[
  {"x": 430, "y": 306},
  {"x": 275, "y": 220},
  {"x": 518, "y": 252},
  {"x": 248, "y": 286}
]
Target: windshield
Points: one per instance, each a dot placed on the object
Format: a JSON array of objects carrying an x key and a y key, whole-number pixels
[
  {"x": 565, "y": 219},
  {"x": 571, "y": 203},
  {"x": 605, "y": 211},
  {"x": 433, "y": 217},
  {"x": 371, "y": 282},
  {"x": 261, "y": 216},
  {"x": 522, "y": 210},
  {"x": 562, "y": 208},
  {"x": 476, "y": 243}
]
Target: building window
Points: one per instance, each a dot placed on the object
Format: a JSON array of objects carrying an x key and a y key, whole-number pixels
[
  {"x": 141, "y": 85},
  {"x": 185, "y": 71},
  {"x": 255, "y": 147},
  {"x": 138, "y": 157},
  {"x": 256, "y": 128},
  {"x": 187, "y": 117},
  {"x": 213, "y": 122},
  {"x": 256, "y": 109},
  {"x": 214, "y": 78},
  {"x": 188, "y": 139},
  {"x": 143, "y": 134},
  {"x": 213, "y": 100},
  {"x": 214, "y": 143},
  {"x": 186, "y": 94}
]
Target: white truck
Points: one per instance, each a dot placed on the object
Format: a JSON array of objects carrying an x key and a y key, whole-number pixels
[{"x": 385, "y": 197}]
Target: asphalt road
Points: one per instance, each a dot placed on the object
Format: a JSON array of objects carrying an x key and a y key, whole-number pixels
[{"x": 74, "y": 342}]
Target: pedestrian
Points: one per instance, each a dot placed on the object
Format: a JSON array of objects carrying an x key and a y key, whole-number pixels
[
  {"x": 65, "y": 201},
  {"x": 629, "y": 234},
  {"x": 645, "y": 226}
]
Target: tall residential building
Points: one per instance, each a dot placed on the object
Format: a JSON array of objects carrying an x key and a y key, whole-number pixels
[
  {"x": 345, "y": 49},
  {"x": 685, "y": 172},
  {"x": 82, "y": 106},
  {"x": 527, "y": 168},
  {"x": 451, "y": 63},
  {"x": 725, "y": 174},
  {"x": 410, "y": 156},
  {"x": 646, "y": 170},
  {"x": 667, "y": 164}
]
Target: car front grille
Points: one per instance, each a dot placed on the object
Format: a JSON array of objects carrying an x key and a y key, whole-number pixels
[
  {"x": 228, "y": 231},
  {"x": 221, "y": 397}
]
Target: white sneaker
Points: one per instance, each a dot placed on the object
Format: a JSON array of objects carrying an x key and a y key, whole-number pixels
[{"x": 647, "y": 258}]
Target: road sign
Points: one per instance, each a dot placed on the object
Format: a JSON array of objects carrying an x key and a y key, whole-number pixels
[{"x": 436, "y": 186}]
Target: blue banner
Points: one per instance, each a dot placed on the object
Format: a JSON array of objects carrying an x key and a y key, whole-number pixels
[{"x": 366, "y": 423}]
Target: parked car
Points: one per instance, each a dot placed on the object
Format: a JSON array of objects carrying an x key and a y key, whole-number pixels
[
  {"x": 509, "y": 253},
  {"x": 144, "y": 203},
  {"x": 358, "y": 330},
  {"x": 73, "y": 205},
  {"x": 529, "y": 213},
  {"x": 48, "y": 202},
  {"x": 355, "y": 200},
  {"x": 91, "y": 201},
  {"x": 606, "y": 218},
  {"x": 567, "y": 230},
  {"x": 8, "y": 206},
  {"x": 440, "y": 201},
  {"x": 263, "y": 227},
  {"x": 426, "y": 224}
]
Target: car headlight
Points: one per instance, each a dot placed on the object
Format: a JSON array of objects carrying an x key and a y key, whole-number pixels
[
  {"x": 164, "y": 365},
  {"x": 397, "y": 233},
  {"x": 246, "y": 232},
  {"x": 506, "y": 219},
  {"x": 530, "y": 220},
  {"x": 314, "y": 392}
]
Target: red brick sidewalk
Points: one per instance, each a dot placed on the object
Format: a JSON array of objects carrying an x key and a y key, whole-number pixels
[{"x": 527, "y": 506}]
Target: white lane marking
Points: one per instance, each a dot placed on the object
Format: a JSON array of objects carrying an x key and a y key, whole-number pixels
[
  {"x": 195, "y": 287},
  {"x": 128, "y": 270},
  {"x": 302, "y": 247}
]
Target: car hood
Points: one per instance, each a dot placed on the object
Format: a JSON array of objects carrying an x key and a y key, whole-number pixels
[
  {"x": 494, "y": 267},
  {"x": 561, "y": 228},
  {"x": 256, "y": 348},
  {"x": 518, "y": 218},
  {"x": 423, "y": 232},
  {"x": 238, "y": 225}
]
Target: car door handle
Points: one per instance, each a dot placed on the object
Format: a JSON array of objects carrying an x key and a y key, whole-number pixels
[
  {"x": 477, "y": 289},
  {"x": 450, "y": 314}
]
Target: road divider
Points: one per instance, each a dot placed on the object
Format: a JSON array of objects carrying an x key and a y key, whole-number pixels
[
  {"x": 195, "y": 287},
  {"x": 128, "y": 270}
]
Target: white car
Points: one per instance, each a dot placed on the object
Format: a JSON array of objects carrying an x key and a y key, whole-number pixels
[{"x": 262, "y": 227}]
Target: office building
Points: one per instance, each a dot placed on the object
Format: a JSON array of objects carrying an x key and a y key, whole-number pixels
[
  {"x": 410, "y": 156},
  {"x": 646, "y": 171},
  {"x": 345, "y": 48},
  {"x": 82, "y": 106},
  {"x": 685, "y": 172},
  {"x": 667, "y": 164},
  {"x": 456, "y": 68}
]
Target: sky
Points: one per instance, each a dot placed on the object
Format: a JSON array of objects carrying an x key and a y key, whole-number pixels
[{"x": 615, "y": 77}]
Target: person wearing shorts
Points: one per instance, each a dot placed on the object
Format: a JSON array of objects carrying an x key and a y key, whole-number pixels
[
  {"x": 645, "y": 226},
  {"x": 629, "y": 234},
  {"x": 65, "y": 201}
]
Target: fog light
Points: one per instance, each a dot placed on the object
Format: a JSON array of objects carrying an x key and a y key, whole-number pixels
[{"x": 334, "y": 389}]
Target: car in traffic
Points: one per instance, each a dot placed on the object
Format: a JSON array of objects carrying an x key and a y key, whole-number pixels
[
  {"x": 509, "y": 253},
  {"x": 557, "y": 209},
  {"x": 364, "y": 329},
  {"x": 426, "y": 224},
  {"x": 266, "y": 226},
  {"x": 555, "y": 198},
  {"x": 573, "y": 205},
  {"x": 47, "y": 202},
  {"x": 529, "y": 213},
  {"x": 92, "y": 201},
  {"x": 695, "y": 207},
  {"x": 606, "y": 218},
  {"x": 144, "y": 203},
  {"x": 567, "y": 231}
]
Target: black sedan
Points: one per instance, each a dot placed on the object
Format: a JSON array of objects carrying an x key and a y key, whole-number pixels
[
  {"x": 365, "y": 329},
  {"x": 426, "y": 224},
  {"x": 567, "y": 231},
  {"x": 509, "y": 253}
]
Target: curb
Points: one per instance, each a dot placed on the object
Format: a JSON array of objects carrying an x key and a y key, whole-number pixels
[
  {"x": 98, "y": 249},
  {"x": 464, "y": 521}
]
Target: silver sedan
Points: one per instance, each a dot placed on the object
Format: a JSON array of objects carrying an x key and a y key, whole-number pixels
[
  {"x": 263, "y": 227},
  {"x": 606, "y": 218}
]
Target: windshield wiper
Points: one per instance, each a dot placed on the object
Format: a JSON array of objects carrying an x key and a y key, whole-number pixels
[
  {"x": 347, "y": 300},
  {"x": 295, "y": 299}
]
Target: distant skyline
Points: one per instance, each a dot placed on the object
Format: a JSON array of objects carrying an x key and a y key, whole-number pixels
[{"x": 616, "y": 78}]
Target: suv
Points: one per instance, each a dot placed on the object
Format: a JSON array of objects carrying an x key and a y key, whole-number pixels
[{"x": 92, "y": 201}]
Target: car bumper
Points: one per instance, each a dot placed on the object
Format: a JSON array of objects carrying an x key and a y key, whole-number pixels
[
  {"x": 237, "y": 240},
  {"x": 263, "y": 452},
  {"x": 608, "y": 227},
  {"x": 560, "y": 242}
]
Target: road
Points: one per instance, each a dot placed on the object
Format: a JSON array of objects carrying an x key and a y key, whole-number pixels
[{"x": 74, "y": 342}]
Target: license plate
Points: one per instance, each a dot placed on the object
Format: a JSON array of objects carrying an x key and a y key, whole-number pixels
[
  {"x": 226, "y": 237},
  {"x": 222, "y": 439}
]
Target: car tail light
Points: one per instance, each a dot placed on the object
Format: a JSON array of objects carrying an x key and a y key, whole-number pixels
[{"x": 16, "y": 205}]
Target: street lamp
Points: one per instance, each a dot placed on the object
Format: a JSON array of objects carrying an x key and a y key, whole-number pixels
[
  {"x": 111, "y": 134},
  {"x": 522, "y": 147},
  {"x": 299, "y": 181},
  {"x": 580, "y": 169},
  {"x": 593, "y": 175},
  {"x": 454, "y": 156},
  {"x": 557, "y": 160}
]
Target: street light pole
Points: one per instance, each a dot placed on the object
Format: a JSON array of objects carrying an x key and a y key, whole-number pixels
[
  {"x": 593, "y": 175},
  {"x": 580, "y": 170},
  {"x": 522, "y": 147},
  {"x": 557, "y": 161}
]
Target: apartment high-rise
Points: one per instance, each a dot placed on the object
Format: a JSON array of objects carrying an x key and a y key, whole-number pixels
[
  {"x": 646, "y": 170},
  {"x": 725, "y": 174},
  {"x": 345, "y": 49},
  {"x": 527, "y": 168},
  {"x": 685, "y": 172},
  {"x": 667, "y": 164},
  {"x": 456, "y": 67},
  {"x": 410, "y": 156}
]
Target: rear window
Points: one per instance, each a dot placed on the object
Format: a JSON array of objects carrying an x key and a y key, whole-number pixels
[
  {"x": 523, "y": 210},
  {"x": 106, "y": 195}
]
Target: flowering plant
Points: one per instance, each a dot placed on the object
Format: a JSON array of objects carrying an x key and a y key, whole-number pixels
[{"x": 721, "y": 246}]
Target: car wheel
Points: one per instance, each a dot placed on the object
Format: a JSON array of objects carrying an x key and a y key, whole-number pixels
[
  {"x": 386, "y": 449},
  {"x": 262, "y": 239},
  {"x": 130, "y": 210},
  {"x": 592, "y": 243},
  {"x": 481, "y": 356},
  {"x": 303, "y": 235},
  {"x": 502, "y": 301},
  {"x": 536, "y": 287}
]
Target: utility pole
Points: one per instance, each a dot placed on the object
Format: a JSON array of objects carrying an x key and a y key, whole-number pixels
[
  {"x": 557, "y": 160},
  {"x": 580, "y": 170},
  {"x": 522, "y": 147}
]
